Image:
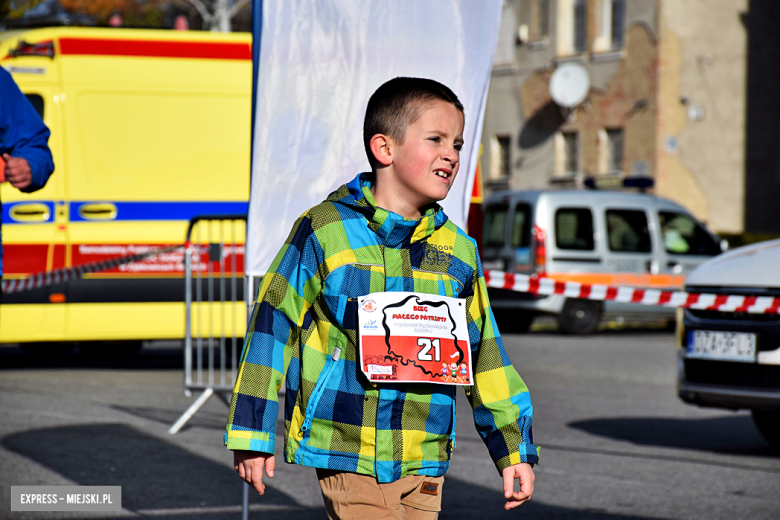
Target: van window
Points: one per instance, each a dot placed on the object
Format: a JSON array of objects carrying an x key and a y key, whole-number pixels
[
  {"x": 682, "y": 235},
  {"x": 521, "y": 226},
  {"x": 37, "y": 102},
  {"x": 627, "y": 231},
  {"x": 495, "y": 224},
  {"x": 574, "y": 229}
]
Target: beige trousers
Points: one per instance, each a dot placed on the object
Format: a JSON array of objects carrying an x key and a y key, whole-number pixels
[{"x": 350, "y": 496}]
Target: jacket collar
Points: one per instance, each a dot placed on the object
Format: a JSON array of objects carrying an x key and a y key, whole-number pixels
[{"x": 392, "y": 228}]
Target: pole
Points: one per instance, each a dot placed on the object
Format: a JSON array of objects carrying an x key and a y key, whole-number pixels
[{"x": 257, "y": 32}]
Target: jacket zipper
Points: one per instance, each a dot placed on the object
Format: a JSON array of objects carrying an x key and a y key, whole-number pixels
[{"x": 319, "y": 388}]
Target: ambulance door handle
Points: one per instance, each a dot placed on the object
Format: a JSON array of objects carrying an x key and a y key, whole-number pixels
[
  {"x": 31, "y": 212},
  {"x": 98, "y": 211}
]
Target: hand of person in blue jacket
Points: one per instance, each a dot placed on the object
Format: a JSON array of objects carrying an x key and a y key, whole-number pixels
[
  {"x": 17, "y": 171},
  {"x": 250, "y": 465},
  {"x": 524, "y": 473}
]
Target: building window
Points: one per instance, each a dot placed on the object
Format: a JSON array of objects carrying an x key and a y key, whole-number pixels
[
  {"x": 542, "y": 18},
  {"x": 500, "y": 157},
  {"x": 615, "y": 150},
  {"x": 570, "y": 152},
  {"x": 507, "y": 33},
  {"x": 618, "y": 23},
  {"x": 580, "y": 25}
]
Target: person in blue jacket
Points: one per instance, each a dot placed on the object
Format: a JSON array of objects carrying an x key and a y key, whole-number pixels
[{"x": 23, "y": 142}]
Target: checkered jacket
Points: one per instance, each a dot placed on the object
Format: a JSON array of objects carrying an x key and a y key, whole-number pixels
[{"x": 334, "y": 417}]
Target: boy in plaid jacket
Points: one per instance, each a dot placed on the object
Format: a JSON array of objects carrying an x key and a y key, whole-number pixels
[{"x": 380, "y": 448}]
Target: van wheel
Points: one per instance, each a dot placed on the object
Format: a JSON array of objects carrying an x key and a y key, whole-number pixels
[
  {"x": 768, "y": 423},
  {"x": 579, "y": 317},
  {"x": 513, "y": 321}
]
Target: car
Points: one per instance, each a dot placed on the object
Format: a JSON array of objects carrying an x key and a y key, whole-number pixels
[
  {"x": 731, "y": 358},
  {"x": 599, "y": 236}
]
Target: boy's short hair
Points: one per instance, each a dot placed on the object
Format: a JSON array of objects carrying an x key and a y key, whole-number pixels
[{"x": 397, "y": 104}]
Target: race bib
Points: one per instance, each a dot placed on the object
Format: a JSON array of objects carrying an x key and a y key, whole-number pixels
[{"x": 414, "y": 338}]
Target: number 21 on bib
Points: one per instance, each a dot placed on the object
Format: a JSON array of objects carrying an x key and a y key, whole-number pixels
[{"x": 414, "y": 338}]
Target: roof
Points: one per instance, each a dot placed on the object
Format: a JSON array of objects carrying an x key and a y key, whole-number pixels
[{"x": 567, "y": 196}]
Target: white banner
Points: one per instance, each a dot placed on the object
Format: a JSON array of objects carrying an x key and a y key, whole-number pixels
[{"x": 320, "y": 61}]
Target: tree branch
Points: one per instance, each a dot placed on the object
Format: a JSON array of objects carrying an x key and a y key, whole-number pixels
[
  {"x": 203, "y": 10},
  {"x": 237, "y": 7}
]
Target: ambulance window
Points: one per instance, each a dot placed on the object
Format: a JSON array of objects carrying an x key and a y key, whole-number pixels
[
  {"x": 521, "y": 226},
  {"x": 37, "y": 102},
  {"x": 574, "y": 229},
  {"x": 495, "y": 225},
  {"x": 682, "y": 235},
  {"x": 627, "y": 231}
]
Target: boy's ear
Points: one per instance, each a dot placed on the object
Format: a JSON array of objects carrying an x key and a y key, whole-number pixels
[{"x": 382, "y": 148}]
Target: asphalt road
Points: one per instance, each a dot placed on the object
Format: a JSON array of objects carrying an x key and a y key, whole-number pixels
[{"x": 616, "y": 441}]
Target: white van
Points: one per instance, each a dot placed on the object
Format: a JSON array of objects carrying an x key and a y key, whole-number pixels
[{"x": 594, "y": 237}]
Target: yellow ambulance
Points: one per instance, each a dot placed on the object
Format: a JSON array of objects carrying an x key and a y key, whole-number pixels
[{"x": 148, "y": 130}]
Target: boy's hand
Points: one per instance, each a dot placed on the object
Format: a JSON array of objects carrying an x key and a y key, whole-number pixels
[
  {"x": 525, "y": 474},
  {"x": 17, "y": 171},
  {"x": 250, "y": 464}
]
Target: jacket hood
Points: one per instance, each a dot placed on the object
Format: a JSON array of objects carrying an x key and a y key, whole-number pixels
[{"x": 393, "y": 229}]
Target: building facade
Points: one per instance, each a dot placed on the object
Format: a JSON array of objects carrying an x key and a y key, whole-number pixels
[{"x": 667, "y": 100}]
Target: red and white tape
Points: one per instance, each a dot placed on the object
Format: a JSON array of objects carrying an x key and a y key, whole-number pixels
[
  {"x": 703, "y": 301},
  {"x": 43, "y": 279}
]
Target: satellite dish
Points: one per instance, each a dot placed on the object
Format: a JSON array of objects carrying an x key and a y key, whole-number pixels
[{"x": 569, "y": 85}]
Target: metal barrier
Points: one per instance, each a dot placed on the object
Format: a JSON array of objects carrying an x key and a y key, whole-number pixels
[{"x": 213, "y": 264}]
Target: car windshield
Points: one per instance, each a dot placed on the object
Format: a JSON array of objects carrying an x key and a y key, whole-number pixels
[{"x": 682, "y": 235}]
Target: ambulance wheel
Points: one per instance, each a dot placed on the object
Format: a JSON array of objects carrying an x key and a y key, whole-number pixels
[
  {"x": 768, "y": 423},
  {"x": 47, "y": 349},
  {"x": 513, "y": 321},
  {"x": 110, "y": 349},
  {"x": 579, "y": 317}
]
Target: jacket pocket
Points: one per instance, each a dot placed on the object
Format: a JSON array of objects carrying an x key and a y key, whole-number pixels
[
  {"x": 432, "y": 282},
  {"x": 330, "y": 365}
]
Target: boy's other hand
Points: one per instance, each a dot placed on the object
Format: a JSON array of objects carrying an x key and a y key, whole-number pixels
[
  {"x": 525, "y": 474},
  {"x": 250, "y": 465},
  {"x": 17, "y": 171}
]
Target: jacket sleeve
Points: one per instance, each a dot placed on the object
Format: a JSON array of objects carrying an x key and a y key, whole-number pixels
[
  {"x": 273, "y": 335},
  {"x": 23, "y": 134},
  {"x": 500, "y": 399}
]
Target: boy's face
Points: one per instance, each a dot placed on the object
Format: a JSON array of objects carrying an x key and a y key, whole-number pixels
[{"x": 425, "y": 165}]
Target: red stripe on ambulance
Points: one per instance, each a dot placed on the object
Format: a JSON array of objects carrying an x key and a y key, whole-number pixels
[{"x": 155, "y": 48}]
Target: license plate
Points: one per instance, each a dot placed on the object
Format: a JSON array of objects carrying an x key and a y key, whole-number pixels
[{"x": 725, "y": 346}]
